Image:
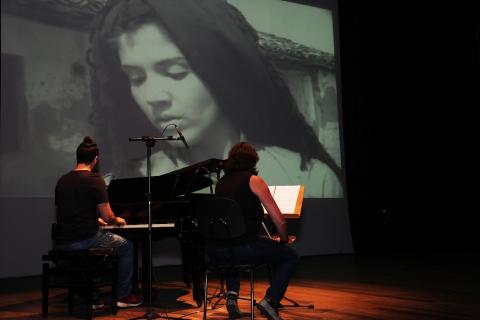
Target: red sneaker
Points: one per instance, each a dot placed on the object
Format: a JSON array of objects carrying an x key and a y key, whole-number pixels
[{"x": 132, "y": 300}]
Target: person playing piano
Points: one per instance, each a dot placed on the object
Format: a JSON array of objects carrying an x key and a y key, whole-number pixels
[
  {"x": 242, "y": 183},
  {"x": 81, "y": 204}
]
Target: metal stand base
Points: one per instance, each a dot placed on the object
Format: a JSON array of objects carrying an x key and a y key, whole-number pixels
[
  {"x": 295, "y": 304},
  {"x": 150, "y": 315},
  {"x": 153, "y": 315}
]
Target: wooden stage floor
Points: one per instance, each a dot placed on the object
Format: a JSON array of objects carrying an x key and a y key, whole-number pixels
[{"x": 395, "y": 286}]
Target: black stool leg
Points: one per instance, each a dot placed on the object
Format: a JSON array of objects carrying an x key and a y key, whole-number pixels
[
  {"x": 252, "y": 293},
  {"x": 88, "y": 298},
  {"x": 114, "y": 288},
  {"x": 71, "y": 299},
  {"x": 45, "y": 290},
  {"x": 205, "y": 296}
]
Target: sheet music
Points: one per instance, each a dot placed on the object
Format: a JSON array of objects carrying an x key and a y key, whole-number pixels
[
  {"x": 286, "y": 198},
  {"x": 108, "y": 177},
  {"x": 289, "y": 199}
]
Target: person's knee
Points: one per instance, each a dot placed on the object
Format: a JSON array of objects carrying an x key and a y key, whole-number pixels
[
  {"x": 128, "y": 245},
  {"x": 124, "y": 247}
]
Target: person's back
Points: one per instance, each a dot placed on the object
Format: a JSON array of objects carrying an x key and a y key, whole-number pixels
[
  {"x": 77, "y": 195},
  {"x": 236, "y": 186}
]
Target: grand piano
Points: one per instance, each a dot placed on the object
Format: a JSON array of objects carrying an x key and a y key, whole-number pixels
[{"x": 173, "y": 215}]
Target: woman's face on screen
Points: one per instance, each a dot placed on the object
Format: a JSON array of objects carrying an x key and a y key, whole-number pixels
[{"x": 162, "y": 83}]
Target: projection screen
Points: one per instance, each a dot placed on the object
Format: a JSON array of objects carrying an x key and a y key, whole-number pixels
[{"x": 226, "y": 88}]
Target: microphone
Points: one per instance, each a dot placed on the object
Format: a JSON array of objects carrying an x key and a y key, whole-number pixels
[{"x": 181, "y": 137}]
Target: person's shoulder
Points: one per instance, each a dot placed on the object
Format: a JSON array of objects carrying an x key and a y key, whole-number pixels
[
  {"x": 72, "y": 174},
  {"x": 97, "y": 178},
  {"x": 256, "y": 179},
  {"x": 65, "y": 178},
  {"x": 257, "y": 184},
  {"x": 91, "y": 178},
  {"x": 95, "y": 175},
  {"x": 68, "y": 174}
]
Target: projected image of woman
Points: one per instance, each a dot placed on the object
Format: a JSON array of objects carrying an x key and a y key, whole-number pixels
[{"x": 198, "y": 65}]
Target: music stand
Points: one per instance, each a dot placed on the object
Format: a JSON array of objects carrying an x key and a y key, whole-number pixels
[{"x": 150, "y": 143}]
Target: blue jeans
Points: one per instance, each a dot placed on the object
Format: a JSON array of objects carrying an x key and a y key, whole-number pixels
[
  {"x": 281, "y": 257},
  {"x": 121, "y": 246}
]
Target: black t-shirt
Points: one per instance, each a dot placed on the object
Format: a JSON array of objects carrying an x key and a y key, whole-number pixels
[
  {"x": 77, "y": 195},
  {"x": 236, "y": 186}
]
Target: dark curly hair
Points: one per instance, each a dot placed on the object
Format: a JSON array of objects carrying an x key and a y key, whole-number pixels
[{"x": 242, "y": 157}]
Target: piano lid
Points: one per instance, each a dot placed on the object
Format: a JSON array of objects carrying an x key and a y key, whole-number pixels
[{"x": 164, "y": 187}]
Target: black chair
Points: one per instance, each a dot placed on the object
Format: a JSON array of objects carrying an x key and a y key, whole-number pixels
[
  {"x": 81, "y": 272},
  {"x": 221, "y": 219}
]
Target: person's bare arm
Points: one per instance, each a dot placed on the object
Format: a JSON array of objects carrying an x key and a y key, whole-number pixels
[
  {"x": 107, "y": 214},
  {"x": 260, "y": 189}
]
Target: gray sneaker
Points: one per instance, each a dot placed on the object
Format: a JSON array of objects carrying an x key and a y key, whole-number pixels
[
  {"x": 267, "y": 310},
  {"x": 232, "y": 306},
  {"x": 97, "y": 304}
]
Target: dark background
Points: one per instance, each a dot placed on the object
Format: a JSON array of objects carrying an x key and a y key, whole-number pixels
[{"x": 410, "y": 82}]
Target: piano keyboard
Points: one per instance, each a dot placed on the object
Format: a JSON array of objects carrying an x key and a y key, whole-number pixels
[{"x": 140, "y": 226}]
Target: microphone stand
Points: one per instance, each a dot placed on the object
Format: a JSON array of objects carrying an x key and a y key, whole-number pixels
[{"x": 150, "y": 143}]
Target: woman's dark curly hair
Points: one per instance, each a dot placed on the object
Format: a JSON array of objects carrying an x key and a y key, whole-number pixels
[{"x": 242, "y": 157}]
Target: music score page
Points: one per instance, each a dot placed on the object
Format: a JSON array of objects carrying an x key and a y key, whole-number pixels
[{"x": 289, "y": 199}]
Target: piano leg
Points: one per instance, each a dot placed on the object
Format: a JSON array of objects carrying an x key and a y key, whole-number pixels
[{"x": 193, "y": 264}]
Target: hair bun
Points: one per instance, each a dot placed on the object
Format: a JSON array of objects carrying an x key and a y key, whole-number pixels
[{"x": 88, "y": 140}]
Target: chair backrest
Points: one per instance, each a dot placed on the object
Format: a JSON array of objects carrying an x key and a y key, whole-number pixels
[{"x": 220, "y": 218}]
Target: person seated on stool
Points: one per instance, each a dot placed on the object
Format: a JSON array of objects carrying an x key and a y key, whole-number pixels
[
  {"x": 81, "y": 205},
  {"x": 242, "y": 184}
]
